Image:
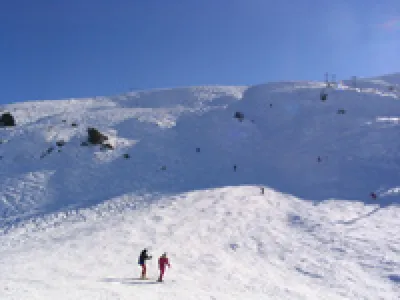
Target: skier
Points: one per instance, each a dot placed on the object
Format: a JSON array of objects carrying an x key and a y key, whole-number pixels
[
  {"x": 162, "y": 263},
  {"x": 142, "y": 262},
  {"x": 262, "y": 191}
]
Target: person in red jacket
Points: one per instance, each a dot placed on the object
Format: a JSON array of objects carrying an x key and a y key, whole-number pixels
[{"x": 162, "y": 263}]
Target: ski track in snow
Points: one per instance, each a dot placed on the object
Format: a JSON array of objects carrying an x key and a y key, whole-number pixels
[{"x": 74, "y": 219}]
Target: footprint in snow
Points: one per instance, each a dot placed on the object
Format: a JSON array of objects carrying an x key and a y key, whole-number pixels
[{"x": 157, "y": 219}]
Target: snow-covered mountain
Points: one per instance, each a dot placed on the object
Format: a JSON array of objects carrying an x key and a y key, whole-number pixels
[{"x": 185, "y": 176}]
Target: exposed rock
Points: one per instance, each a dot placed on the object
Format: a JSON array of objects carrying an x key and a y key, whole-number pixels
[
  {"x": 60, "y": 143},
  {"x": 239, "y": 115},
  {"x": 7, "y": 120},
  {"x": 96, "y": 137},
  {"x": 106, "y": 147}
]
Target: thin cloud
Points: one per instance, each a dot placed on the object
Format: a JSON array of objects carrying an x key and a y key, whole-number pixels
[{"x": 392, "y": 24}]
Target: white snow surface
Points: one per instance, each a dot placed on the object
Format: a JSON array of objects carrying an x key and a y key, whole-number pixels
[{"x": 74, "y": 219}]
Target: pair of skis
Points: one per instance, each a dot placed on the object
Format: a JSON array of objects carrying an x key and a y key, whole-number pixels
[{"x": 161, "y": 281}]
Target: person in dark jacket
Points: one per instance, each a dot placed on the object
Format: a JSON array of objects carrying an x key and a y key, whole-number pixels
[{"x": 142, "y": 262}]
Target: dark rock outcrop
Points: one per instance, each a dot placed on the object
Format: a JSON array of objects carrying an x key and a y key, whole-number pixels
[
  {"x": 6, "y": 120},
  {"x": 96, "y": 137},
  {"x": 239, "y": 115}
]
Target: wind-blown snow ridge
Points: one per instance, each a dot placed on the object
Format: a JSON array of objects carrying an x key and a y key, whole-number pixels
[{"x": 184, "y": 177}]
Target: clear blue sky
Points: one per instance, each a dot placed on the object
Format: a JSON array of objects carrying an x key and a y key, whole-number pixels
[{"x": 53, "y": 49}]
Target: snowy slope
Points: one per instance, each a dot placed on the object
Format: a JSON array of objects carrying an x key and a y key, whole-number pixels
[
  {"x": 74, "y": 220},
  {"x": 390, "y": 82}
]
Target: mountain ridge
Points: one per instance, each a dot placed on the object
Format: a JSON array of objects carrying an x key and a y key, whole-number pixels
[{"x": 184, "y": 175}]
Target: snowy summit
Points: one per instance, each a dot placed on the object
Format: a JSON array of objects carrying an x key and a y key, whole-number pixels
[{"x": 285, "y": 190}]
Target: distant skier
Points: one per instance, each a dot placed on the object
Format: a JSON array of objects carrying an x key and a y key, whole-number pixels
[
  {"x": 142, "y": 262},
  {"x": 373, "y": 195},
  {"x": 262, "y": 191},
  {"x": 162, "y": 263}
]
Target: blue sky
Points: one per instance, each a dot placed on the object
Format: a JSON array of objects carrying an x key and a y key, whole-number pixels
[{"x": 80, "y": 48}]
